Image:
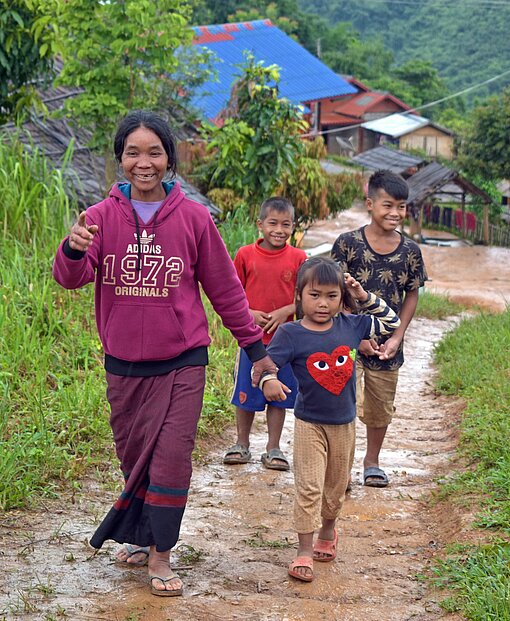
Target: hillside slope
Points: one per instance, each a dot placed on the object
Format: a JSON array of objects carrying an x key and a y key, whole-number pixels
[{"x": 466, "y": 40}]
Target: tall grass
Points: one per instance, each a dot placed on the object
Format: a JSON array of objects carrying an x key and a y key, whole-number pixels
[
  {"x": 473, "y": 362},
  {"x": 53, "y": 421}
]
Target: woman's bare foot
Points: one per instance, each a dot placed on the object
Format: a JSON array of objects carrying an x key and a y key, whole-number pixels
[{"x": 162, "y": 577}]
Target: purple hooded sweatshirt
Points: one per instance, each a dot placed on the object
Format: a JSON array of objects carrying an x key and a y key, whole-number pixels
[{"x": 149, "y": 313}]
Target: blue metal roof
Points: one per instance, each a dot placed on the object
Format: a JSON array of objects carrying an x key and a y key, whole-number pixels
[{"x": 303, "y": 77}]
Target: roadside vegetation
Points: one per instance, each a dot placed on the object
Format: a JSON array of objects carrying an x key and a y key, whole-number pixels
[
  {"x": 473, "y": 363},
  {"x": 434, "y": 306}
]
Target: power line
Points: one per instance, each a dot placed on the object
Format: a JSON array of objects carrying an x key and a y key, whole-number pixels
[
  {"x": 499, "y": 3},
  {"x": 406, "y": 112}
]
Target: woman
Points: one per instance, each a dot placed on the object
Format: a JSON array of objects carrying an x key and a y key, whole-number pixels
[{"x": 147, "y": 248}]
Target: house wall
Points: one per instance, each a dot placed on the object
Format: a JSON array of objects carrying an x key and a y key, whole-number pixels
[
  {"x": 347, "y": 135},
  {"x": 428, "y": 139}
]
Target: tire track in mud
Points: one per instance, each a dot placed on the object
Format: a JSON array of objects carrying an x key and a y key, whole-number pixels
[{"x": 239, "y": 524}]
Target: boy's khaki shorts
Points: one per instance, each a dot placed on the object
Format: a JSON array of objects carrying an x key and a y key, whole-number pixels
[{"x": 375, "y": 395}]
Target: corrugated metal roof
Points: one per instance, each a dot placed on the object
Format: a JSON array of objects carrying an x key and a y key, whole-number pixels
[
  {"x": 396, "y": 125},
  {"x": 383, "y": 158},
  {"x": 303, "y": 77}
]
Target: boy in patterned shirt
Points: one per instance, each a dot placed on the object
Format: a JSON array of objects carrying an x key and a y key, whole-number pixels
[{"x": 391, "y": 266}]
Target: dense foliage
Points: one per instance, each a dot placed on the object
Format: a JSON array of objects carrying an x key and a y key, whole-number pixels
[
  {"x": 466, "y": 41},
  {"x": 25, "y": 56},
  {"x": 485, "y": 150}
]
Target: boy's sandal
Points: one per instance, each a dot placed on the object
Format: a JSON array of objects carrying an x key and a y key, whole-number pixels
[
  {"x": 131, "y": 550},
  {"x": 165, "y": 592},
  {"x": 301, "y": 561},
  {"x": 237, "y": 454},
  {"x": 325, "y": 546},
  {"x": 275, "y": 460},
  {"x": 375, "y": 477}
]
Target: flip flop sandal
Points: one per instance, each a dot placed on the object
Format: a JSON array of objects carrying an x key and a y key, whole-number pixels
[
  {"x": 237, "y": 454},
  {"x": 301, "y": 561},
  {"x": 275, "y": 460},
  {"x": 375, "y": 477},
  {"x": 326, "y": 546},
  {"x": 131, "y": 551},
  {"x": 165, "y": 592}
]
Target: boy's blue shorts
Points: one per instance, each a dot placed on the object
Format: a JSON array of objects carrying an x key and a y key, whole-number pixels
[{"x": 252, "y": 399}]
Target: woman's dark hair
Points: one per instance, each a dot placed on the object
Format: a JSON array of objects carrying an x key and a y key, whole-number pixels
[
  {"x": 150, "y": 120},
  {"x": 322, "y": 271}
]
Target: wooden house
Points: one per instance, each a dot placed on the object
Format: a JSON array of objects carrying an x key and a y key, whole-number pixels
[
  {"x": 85, "y": 173},
  {"x": 386, "y": 158},
  {"x": 408, "y": 132},
  {"x": 341, "y": 118}
]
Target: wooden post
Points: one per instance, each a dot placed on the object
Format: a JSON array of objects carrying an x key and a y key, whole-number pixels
[
  {"x": 415, "y": 225},
  {"x": 463, "y": 207},
  {"x": 486, "y": 224}
]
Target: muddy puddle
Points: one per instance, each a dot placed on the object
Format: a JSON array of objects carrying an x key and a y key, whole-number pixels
[{"x": 237, "y": 537}]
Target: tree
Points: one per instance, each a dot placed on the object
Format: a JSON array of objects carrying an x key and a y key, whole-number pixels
[
  {"x": 259, "y": 152},
  {"x": 26, "y": 48},
  {"x": 123, "y": 56},
  {"x": 259, "y": 139},
  {"x": 485, "y": 149}
]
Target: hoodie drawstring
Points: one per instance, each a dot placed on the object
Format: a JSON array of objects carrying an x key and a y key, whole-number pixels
[{"x": 139, "y": 242}]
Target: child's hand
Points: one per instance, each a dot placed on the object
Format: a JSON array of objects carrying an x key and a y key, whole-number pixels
[
  {"x": 357, "y": 290},
  {"x": 369, "y": 347},
  {"x": 260, "y": 317},
  {"x": 81, "y": 235},
  {"x": 274, "y": 390},
  {"x": 389, "y": 348},
  {"x": 277, "y": 317}
]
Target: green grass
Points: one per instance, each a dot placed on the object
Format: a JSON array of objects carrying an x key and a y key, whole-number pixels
[
  {"x": 473, "y": 362},
  {"x": 434, "y": 306},
  {"x": 478, "y": 579}
]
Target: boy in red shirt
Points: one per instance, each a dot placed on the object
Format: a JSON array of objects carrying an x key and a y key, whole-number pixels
[{"x": 267, "y": 270}]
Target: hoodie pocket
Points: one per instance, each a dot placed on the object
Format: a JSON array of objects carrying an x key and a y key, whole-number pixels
[{"x": 137, "y": 333}]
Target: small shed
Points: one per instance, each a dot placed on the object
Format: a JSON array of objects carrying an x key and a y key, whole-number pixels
[
  {"x": 410, "y": 131},
  {"x": 435, "y": 180},
  {"x": 384, "y": 158}
]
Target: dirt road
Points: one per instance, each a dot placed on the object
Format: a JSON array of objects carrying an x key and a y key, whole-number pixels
[{"x": 237, "y": 536}]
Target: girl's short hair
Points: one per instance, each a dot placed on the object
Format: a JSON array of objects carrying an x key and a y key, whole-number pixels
[
  {"x": 322, "y": 271},
  {"x": 150, "y": 120}
]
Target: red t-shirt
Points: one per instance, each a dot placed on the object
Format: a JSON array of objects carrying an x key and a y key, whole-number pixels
[{"x": 268, "y": 277}]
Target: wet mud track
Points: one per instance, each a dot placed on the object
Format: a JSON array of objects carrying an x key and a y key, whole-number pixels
[{"x": 237, "y": 536}]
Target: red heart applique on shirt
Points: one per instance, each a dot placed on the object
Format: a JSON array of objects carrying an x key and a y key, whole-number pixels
[{"x": 332, "y": 371}]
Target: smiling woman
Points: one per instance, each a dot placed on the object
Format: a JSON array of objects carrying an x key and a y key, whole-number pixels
[
  {"x": 147, "y": 248},
  {"x": 145, "y": 163}
]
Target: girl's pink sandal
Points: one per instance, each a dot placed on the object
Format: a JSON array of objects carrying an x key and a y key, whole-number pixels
[
  {"x": 301, "y": 561},
  {"x": 325, "y": 546}
]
